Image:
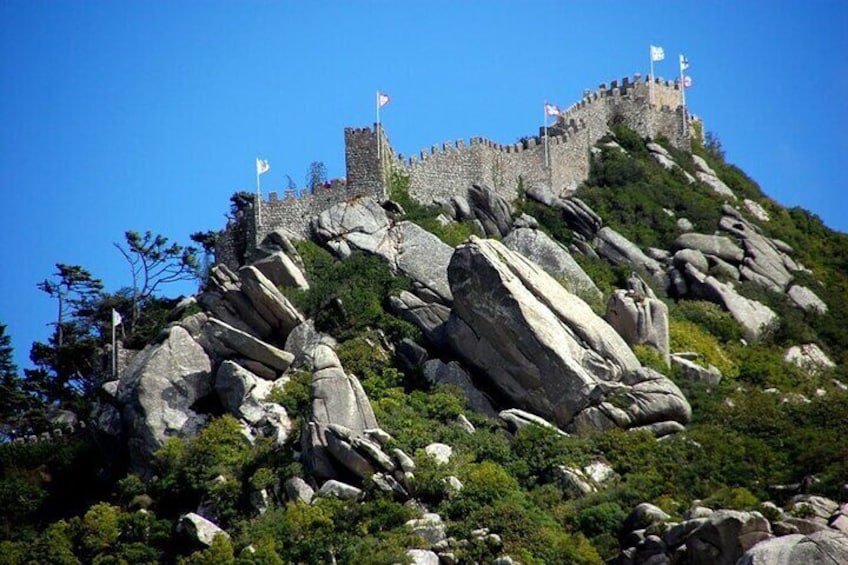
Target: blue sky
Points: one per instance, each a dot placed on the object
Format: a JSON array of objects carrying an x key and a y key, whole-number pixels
[{"x": 149, "y": 115}]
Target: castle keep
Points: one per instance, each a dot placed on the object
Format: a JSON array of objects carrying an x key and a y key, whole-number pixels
[{"x": 441, "y": 171}]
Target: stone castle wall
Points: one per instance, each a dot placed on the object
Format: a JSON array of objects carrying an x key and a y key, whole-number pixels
[{"x": 652, "y": 109}]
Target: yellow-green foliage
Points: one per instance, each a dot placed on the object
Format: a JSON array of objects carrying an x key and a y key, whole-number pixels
[
  {"x": 651, "y": 357},
  {"x": 688, "y": 336}
]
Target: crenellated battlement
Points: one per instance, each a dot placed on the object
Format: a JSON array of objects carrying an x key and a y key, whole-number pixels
[{"x": 560, "y": 160}]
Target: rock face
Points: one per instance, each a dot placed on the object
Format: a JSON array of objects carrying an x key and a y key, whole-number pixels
[
  {"x": 281, "y": 270},
  {"x": 809, "y": 357},
  {"x": 407, "y": 247},
  {"x": 639, "y": 319},
  {"x": 752, "y": 315},
  {"x": 491, "y": 209},
  {"x": 337, "y": 399},
  {"x": 554, "y": 259},
  {"x": 621, "y": 251},
  {"x": 807, "y": 299},
  {"x": 708, "y": 176},
  {"x": 725, "y": 536},
  {"x": 716, "y": 245},
  {"x": 540, "y": 345},
  {"x": 819, "y": 548},
  {"x": 158, "y": 391},
  {"x": 226, "y": 340},
  {"x": 200, "y": 529}
]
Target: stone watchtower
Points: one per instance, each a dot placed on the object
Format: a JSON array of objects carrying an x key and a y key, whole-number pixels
[{"x": 367, "y": 155}]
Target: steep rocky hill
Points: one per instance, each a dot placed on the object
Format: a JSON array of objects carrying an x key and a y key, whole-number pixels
[{"x": 651, "y": 369}]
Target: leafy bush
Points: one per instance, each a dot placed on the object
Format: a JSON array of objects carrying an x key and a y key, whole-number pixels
[
  {"x": 347, "y": 297},
  {"x": 688, "y": 336}
]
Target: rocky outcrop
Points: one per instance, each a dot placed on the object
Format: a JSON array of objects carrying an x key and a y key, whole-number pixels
[
  {"x": 222, "y": 340},
  {"x": 337, "y": 399},
  {"x": 543, "y": 347},
  {"x": 695, "y": 372},
  {"x": 619, "y": 250},
  {"x": 158, "y": 392},
  {"x": 437, "y": 372},
  {"x": 281, "y": 270},
  {"x": 818, "y": 548},
  {"x": 280, "y": 315},
  {"x": 754, "y": 317},
  {"x": 243, "y": 394},
  {"x": 639, "y": 319},
  {"x": 716, "y": 245},
  {"x": 537, "y": 246},
  {"x": 429, "y": 317},
  {"x": 725, "y": 536},
  {"x": 806, "y": 299},
  {"x": 491, "y": 209},
  {"x": 408, "y": 248},
  {"x": 199, "y": 529},
  {"x": 705, "y": 537},
  {"x": 709, "y": 177},
  {"x": 809, "y": 357}
]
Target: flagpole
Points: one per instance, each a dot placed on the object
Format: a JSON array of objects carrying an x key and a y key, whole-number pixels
[
  {"x": 545, "y": 121},
  {"x": 378, "y": 127},
  {"x": 114, "y": 360},
  {"x": 680, "y": 61},
  {"x": 651, "y": 78},
  {"x": 258, "y": 196}
]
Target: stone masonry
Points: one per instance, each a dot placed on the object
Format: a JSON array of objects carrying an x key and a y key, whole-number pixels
[{"x": 444, "y": 170}]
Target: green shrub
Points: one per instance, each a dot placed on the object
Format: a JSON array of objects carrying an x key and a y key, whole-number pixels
[
  {"x": 710, "y": 317},
  {"x": 734, "y": 498},
  {"x": 688, "y": 336}
]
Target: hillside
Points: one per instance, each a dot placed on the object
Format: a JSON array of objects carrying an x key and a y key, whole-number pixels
[{"x": 649, "y": 367}]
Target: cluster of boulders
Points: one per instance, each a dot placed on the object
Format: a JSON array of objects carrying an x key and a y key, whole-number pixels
[
  {"x": 506, "y": 320},
  {"x": 812, "y": 530},
  {"x": 230, "y": 355}
]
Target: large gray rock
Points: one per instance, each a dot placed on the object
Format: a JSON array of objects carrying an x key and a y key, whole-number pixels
[
  {"x": 718, "y": 245},
  {"x": 241, "y": 392},
  {"x": 407, "y": 247},
  {"x": 764, "y": 262},
  {"x": 493, "y": 211},
  {"x": 518, "y": 419},
  {"x": 579, "y": 217},
  {"x": 298, "y": 490},
  {"x": 554, "y": 259},
  {"x": 158, "y": 392},
  {"x": 281, "y": 270},
  {"x": 827, "y": 547},
  {"x": 225, "y": 301},
  {"x": 807, "y": 299},
  {"x": 430, "y": 317},
  {"x": 222, "y": 340},
  {"x": 725, "y": 536},
  {"x": 274, "y": 308},
  {"x": 337, "y": 398},
  {"x": 708, "y": 176},
  {"x": 639, "y": 319},
  {"x": 809, "y": 357},
  {"x": 543, "y": 347},
  {"x": 199, "y": 529},
  {"x": 452, "y": 373},
  {"x": 621, "y": 251},
  {"x": 695, "y": 372},
  {"x": 754, "y": 317}
]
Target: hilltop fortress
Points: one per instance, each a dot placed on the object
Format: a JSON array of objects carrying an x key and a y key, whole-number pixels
[{"x": 652, "y": 109}]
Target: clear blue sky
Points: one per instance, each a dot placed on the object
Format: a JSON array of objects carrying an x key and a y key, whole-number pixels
[{"x": 149, "y": 115}]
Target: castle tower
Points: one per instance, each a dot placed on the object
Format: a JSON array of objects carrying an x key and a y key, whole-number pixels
[{"x": 366, "y": 174}]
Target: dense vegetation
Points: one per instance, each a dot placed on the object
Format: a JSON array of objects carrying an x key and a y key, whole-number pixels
[{"x": 58, "y": 508}]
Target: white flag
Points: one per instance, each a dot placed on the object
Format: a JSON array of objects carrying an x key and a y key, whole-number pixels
[
  {"x": 552, "y": 110},
  {"x": 116, "y": 318},
  {"x": 262, "y": 166},
  {"x": 687, "y": 82},
  {"x": 684, "y": 63},
  {"x": 382, "y": 99},
  {"x": 657, "y": 53}
]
